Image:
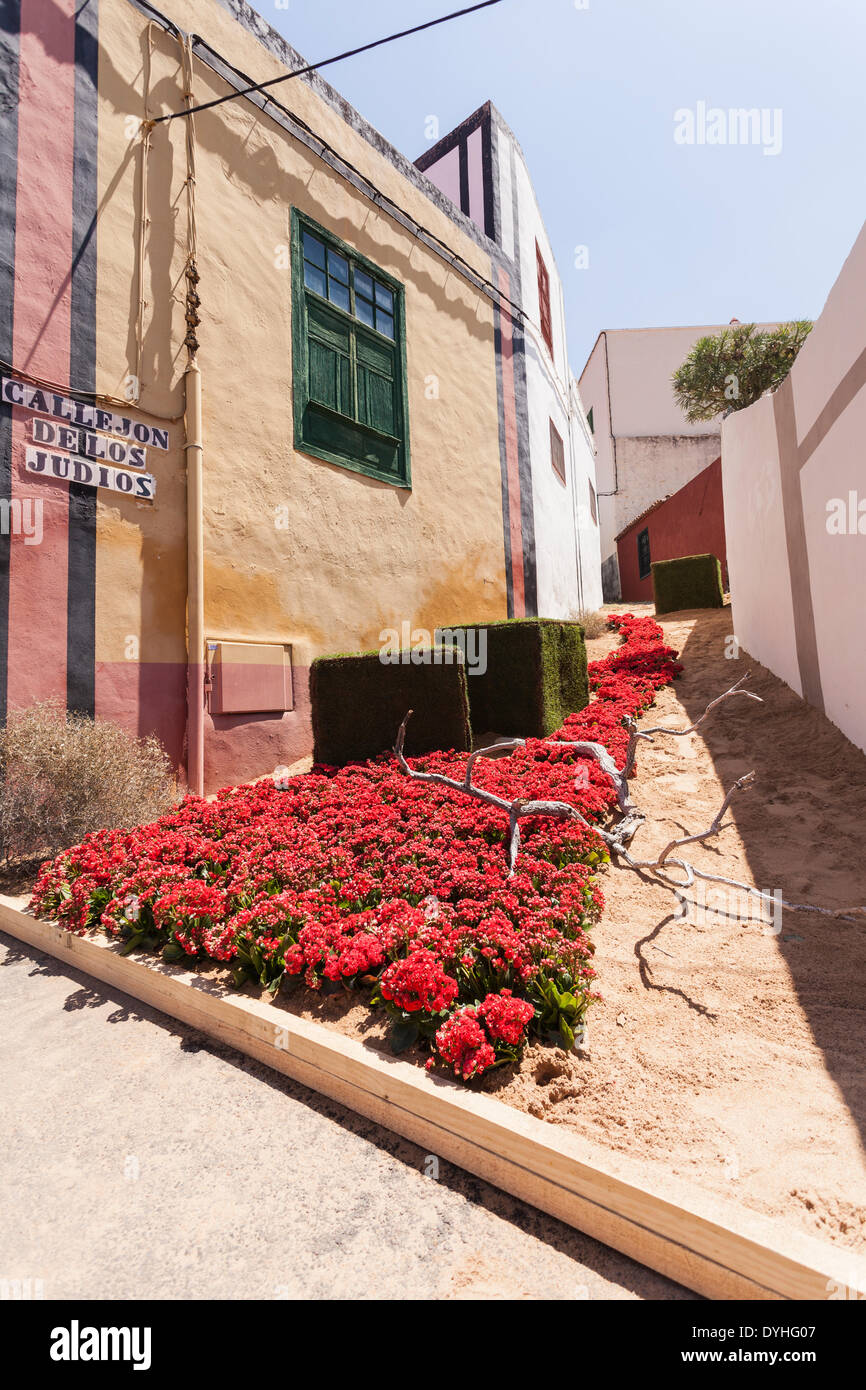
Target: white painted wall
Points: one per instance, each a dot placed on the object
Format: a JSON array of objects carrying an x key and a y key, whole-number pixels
[
  {"x": 566, "y": 537},
  {"x": 755, "y": 539},
  {"x": 645, "y": 447},
  {"x": 758, "y": 558},
  {"x": 642, "y": 362},
  {"x": 585, "y": 486}
]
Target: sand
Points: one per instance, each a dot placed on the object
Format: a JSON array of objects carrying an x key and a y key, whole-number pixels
[
  {"x": 724, "y": 1055},
  {"x": 727, "y": 1054}
]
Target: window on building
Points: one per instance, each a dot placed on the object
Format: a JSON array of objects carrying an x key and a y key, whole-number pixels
[
  {"x": 644, "y": 565},
  {"x": 592, "y": 503},
  {"x": 589, "y": 421},
  {"x": 349, "y": 357},
  {"x": 544, "y": 299},
  {"x": 557, "y": 451}
]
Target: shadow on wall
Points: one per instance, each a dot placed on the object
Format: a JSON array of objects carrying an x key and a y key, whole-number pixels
[
  {"x": 610, "y": 589},
  {"x": 802, "y": 829}
]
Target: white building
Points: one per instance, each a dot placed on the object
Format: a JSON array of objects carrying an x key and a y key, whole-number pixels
[
  {"x": 645, "y": 447},
  {"x": 481, "y": 167}
]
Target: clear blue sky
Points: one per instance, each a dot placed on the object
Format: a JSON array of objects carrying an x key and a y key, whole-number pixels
[{"x": 677, "y": 234}]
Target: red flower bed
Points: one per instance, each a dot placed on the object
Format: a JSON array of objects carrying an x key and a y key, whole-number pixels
[{"x": 365, "y": 879}]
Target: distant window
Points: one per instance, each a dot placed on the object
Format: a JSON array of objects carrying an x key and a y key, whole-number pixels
[
  {"x": 557, "y": 451},
  {"x": 544, "y": 299},
  {"x": 644, "y": 566},
  {"x": 592, "y": 507},
  {"x": 589, "y": 421}
]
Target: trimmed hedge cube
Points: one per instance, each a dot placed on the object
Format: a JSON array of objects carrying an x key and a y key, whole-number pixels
[
  {"x": 695, "y": 581},
  {"x": 358, "y": 703},
  {"x": 535, "y": 674}
]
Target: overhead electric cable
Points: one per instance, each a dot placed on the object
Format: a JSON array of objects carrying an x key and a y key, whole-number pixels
[{"x": 338, "y": 58}]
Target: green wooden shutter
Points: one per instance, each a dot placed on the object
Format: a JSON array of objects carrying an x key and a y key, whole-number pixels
[
  {"x": 349, "y": 357},
  {"x": 377, "y": 384},
  {"x": 329, "y": 359}
]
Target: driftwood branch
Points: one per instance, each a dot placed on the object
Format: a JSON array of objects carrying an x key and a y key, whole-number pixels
[
  {"x": 558, "y": 810},
  {"x": 715, "y": 826},
  {"x": 734, "y": 690},
  {"x": 493, "y": 748},
  {"x": 600, "y": 754},
  {"x": 618, "y": 839},
  {"x": 842, "y": 914}
]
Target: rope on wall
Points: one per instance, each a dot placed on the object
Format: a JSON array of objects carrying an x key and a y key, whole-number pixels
[{"x": 193, "y": 300}]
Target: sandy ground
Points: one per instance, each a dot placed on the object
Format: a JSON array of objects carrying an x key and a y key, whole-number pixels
[
  {"x": 139, "y": 1158},
  {"x": 723, "y": 1054}
]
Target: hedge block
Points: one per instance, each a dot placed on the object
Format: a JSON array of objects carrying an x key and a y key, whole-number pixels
[
  {"x": 535, "y": 675},
  {"x": 695, "y": 581},
  {"x": 358, "y": 703}
]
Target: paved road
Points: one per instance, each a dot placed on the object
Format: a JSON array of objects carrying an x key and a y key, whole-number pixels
[{"x": 138, "y": 1158}]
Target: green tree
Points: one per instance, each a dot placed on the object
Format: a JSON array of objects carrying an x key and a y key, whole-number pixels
[{"x": 735, "y": 367}]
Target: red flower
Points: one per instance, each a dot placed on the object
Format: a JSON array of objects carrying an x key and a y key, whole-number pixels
[
  {"x": 364, "y": 871},
  {"x": 462, "y": 1042},
  {"x": 506, "y": 1018},
  {"x": 418, "y": 984}
]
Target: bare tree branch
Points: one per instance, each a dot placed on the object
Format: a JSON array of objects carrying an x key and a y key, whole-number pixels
[
  {"x": 497, "y": 748},
  {"x": 734, "y": 690},
  {"x": 714, "y": 827},
  {"x": 843, "y": 914},
  {"x": 621, "y": 835},
  {"x": 558, "y": 810},
  {"x": 631, "y": 751},
  {"x": 600, "y": 754}
]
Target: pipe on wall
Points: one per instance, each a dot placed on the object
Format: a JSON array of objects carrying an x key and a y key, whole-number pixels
[
  {"x": 603, "y": 334},
  {"x": 195, "y": 579}
]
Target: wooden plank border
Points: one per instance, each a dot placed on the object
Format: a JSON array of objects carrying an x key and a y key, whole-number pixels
[{"x": 745, "y": 1255}]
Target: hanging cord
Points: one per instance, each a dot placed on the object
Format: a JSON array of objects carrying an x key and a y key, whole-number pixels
[
  {"x": 144, "y": 218},
  {"x": 193, "y": 300}
]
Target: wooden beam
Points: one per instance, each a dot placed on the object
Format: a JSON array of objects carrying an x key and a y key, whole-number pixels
[{"x": 738, "y": 1255}]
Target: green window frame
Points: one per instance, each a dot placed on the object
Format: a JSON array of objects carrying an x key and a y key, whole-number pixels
[{"x": 348, "y": 357}]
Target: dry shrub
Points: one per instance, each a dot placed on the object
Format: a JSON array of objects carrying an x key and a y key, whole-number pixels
[
  {"x": 593, "y": 624},
  {"x": 64, "y": 775}
]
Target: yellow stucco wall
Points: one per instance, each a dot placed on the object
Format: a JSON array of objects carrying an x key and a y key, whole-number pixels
[{"x": 296, "y": 550}]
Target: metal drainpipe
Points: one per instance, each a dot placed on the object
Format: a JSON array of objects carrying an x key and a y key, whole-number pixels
[
  {"x": 195, "y": 653},
  {"x": 195, "y": 579},
  {"x": 603, "y": 334}
]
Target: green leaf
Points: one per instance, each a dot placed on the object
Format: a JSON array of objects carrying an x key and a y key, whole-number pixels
[
  {"x": 173, "y": 951},
  {"x": 132, "y": 944}
]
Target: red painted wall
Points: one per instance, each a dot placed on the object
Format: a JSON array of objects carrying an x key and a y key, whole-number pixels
[
  {"x": 692, "y": 522},
  {"x": 41, "y": 344}
]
